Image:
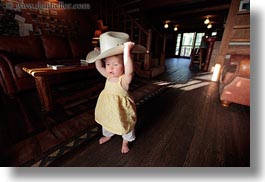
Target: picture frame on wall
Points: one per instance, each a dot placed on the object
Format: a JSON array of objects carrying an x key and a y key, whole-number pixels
[{"x": 244, "y": 5}]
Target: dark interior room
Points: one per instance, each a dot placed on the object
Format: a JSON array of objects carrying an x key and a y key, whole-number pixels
[{"x": 191, "y": 85}]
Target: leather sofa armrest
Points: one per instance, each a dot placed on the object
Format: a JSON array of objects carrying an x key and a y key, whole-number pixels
[
  {"x": 228, "y": 72},
  {"x": 235, "y": 69},
  {"x": 6, "y": 77},
  {"x": 244, "y": 68},
  {"x": 227, "y": 77},
  {"x": 10, "y": 60}
]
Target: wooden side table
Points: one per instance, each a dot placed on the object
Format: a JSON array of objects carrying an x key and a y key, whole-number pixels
[{"x": 43, "y": 86}]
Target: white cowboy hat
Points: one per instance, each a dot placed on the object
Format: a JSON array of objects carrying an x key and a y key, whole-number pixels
[{"x": 111, "y": 43}]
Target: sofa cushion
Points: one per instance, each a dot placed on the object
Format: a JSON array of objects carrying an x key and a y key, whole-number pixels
[
  {"x": 79, "y": 48},
  {"x": 56, "y": 47},
  {"x": 23, "y": 48}
]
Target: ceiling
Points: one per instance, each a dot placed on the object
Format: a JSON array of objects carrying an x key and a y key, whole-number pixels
[{"x": 188, "y": 15}]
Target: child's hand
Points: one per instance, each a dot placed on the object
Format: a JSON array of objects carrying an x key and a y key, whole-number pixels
[{"x": 128, "y": 46}]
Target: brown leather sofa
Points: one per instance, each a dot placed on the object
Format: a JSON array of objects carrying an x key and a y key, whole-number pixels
[
  {"x": 235, "y": 81},
  {"x": 35, "y": 51}
]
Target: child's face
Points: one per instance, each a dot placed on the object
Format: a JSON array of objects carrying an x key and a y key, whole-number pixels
[{"x": 114, "y": 65}]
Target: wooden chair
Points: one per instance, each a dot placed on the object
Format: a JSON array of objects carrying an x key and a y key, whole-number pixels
[{"x": 197, "y": 58}]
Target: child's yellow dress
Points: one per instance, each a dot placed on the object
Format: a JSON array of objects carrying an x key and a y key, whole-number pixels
[{"x": 115, "y": 109}]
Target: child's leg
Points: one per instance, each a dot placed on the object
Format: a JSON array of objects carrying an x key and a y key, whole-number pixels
[
  {"x": 129, "y": 137},
  {"x": 125, "y": 147},
  {"x": 106, "y": 136}
]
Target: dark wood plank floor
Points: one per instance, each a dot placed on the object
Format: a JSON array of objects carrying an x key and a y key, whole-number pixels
[{"x": 184, "y": 126}]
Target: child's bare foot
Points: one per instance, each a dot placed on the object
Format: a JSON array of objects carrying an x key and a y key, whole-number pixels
[
  {"x": 125, "y": 147},
  {"x": 104, "y": 139}
]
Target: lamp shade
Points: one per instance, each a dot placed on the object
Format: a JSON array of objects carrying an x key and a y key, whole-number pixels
[
  {"x": 206, "y": 21},
  {"x": 209, "y": 26}
]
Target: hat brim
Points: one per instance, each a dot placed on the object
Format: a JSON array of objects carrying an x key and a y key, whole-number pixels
[{"x": 96, "y": 55}]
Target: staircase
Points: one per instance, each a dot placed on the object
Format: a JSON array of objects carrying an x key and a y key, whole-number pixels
[{"x": 127, "y": 17}]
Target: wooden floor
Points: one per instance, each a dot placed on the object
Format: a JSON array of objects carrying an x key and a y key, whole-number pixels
[{"x": 184, "y": 126}]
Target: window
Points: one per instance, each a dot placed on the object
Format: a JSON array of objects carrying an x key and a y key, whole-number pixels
[
  {"x": 178, "y": 44},
  {"x": 198, "y": 39},
  {"x": 187, "y": 44}
]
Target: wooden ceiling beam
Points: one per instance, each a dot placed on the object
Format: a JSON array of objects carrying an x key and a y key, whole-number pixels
[
  {"x": 151, "y": 4},
  {"x": 198, "y": 10}
]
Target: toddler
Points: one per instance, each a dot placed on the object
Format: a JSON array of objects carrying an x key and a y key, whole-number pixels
[{"x": 115, "y": 110}]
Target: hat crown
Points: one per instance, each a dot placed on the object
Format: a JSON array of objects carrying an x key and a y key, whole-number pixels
[
  {"x": 110, "y": 40},
  {"x": 112, "y": 43}
]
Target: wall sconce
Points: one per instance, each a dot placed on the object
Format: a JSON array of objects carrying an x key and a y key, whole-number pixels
[
  {"x": 175, "y": 28},
  {"x": 166, "y": 25},
  {"x": 206, "y": 21},
  {"x": 209, "y": 26}
]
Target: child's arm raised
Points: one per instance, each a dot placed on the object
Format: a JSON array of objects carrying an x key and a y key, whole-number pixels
[{"x": 128, "y": 64}]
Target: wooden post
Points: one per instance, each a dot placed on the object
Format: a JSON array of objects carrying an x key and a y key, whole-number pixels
[
  {"x": 112, "y": 17},
  {"x": 131, "y": 29},
  {"x": 147, "y": 60},
  {"x": 163, "y": 53},
  {"x": 139, "y": 36},
  {"x": 210, "y": 42},
  {"x": 124, "y": 23}
]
